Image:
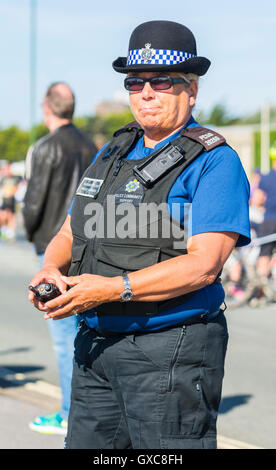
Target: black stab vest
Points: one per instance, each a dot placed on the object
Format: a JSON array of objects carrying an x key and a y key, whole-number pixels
[{"x": 109, "y": 198}]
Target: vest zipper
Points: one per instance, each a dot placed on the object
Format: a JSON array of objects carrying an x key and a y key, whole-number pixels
[
  {"x": 119, "y": 163},
  {"x": 174, "y": 358},
  {"x": 118, "y": 166}
]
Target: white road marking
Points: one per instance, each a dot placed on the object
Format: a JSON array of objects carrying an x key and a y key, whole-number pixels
[
  {"x": 44, "y": 388},
  {"x": 227, "y": 443}
]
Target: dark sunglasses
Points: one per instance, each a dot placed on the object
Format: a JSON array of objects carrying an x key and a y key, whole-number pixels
[{"x": 156, "y": 83}]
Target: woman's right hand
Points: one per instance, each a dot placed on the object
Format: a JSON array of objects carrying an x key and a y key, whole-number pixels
[{"x": 47, "y": 274}]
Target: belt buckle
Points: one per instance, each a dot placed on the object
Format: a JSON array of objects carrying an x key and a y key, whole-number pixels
[
  {"x": 204, "y": 317},
  {"x": 210, "y": 316}
]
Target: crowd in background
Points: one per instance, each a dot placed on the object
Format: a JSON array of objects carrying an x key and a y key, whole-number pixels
[
  {"x": 262, "y": 213},
  {"x": 12, "y": 191}
]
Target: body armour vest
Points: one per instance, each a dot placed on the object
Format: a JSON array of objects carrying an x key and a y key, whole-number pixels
[{"x": 120, "y": 219}]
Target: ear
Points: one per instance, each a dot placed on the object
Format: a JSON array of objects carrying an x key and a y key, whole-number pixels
[
  {"x": 46, "y": 108},
  {"x": 193, "y": 90}
]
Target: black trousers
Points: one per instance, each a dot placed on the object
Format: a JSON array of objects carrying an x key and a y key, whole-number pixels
[{"x": 156, "y": 390}]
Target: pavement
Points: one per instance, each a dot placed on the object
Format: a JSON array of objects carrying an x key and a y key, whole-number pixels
[
  {"x": 28, "y": 381},
  {"x": 14, "y": 431}
]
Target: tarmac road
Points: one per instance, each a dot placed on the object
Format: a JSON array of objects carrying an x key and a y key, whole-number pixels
[{"x": 29, "y": 383}]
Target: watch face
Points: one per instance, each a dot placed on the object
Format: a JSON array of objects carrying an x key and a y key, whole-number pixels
[{"x": 126, "y": 295}]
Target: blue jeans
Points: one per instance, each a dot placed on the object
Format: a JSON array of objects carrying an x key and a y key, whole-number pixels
[{"x": 63, "y": 333}]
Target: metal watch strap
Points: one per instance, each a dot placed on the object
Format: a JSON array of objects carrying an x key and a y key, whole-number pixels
[
  {"x": 126, "y": 281},
  {"x": 127, "y": 294}
]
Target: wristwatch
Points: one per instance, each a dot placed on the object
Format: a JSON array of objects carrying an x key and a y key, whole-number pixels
[{"x": 127, "y": 293}]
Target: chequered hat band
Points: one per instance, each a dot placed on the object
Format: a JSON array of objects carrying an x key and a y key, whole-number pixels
[{"x": 157, "y": 56}]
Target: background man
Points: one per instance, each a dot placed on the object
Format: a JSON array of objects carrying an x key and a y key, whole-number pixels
[{"x": 57, "y": 163}]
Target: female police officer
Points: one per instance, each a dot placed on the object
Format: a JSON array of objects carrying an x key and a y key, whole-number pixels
[{"x": 149, "y": 354}]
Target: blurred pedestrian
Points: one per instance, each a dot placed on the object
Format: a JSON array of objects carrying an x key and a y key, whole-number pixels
[
  {"x": 236, "y": 288},
  {"x": 267, "y": 185},
  {"x": 256, "y": 202},
  {"x": 57, "y": 163},
  {"x": 9, "y": 186}
]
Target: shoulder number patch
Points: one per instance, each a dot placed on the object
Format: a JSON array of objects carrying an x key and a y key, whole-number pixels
[{"x": 208, "y": 138}]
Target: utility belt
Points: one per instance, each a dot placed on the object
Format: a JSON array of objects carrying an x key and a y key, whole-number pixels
[{"x": 202, "y": 318}]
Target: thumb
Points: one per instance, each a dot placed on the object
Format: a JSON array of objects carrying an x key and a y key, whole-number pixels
[{"x": 71, "y": 280}]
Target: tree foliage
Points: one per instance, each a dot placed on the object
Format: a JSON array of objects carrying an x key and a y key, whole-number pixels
[
  {"x": 103, "y": 125},
  {"x": 218, "y": 116},
  {"x": 14, "y": 142}
]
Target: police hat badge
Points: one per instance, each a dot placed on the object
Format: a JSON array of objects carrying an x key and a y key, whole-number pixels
[{"x": 147, "y": 52}]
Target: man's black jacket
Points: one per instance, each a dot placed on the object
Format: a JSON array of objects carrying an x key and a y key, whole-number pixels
[{"x": 58, "y": 162}]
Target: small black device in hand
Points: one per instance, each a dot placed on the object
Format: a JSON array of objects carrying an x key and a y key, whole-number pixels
[{"x": 45, "y": 292}]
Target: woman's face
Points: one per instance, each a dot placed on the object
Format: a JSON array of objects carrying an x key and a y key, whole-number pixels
[{"x": 164, "y": 111}]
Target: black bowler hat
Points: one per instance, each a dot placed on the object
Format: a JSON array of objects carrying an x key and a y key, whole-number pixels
[{"x": 162, "y": 46}]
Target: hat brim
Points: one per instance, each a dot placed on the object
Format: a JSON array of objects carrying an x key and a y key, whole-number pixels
[{"x": 196, "y": 65}]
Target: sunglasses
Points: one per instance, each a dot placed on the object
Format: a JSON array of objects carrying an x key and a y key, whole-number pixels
[{"x": 157, "y": 83}]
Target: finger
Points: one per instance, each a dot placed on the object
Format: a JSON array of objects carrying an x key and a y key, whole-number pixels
[
  {"x": 58, "y": 301},
  {"x": 63, "y": 310},
  {"x": 71, "y": 280},
  {"x": 39, "y": 279},
  {"x": 60, "y": 317},
  {"x": 61, "y": 285},
  {"x": 39, "y": 305},
  {"x": 31, "y": 296},
  {"x": 34, "y": 282},
  {"x": 56, "y": 280},
  {"x": 63, "y": 316}
]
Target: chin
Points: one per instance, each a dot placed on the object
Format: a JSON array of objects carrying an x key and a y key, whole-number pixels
[{"x": 150, "y": 122}]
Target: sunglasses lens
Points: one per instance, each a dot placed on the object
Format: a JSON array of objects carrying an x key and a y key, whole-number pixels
[
  {"x": 157, "y": 83},
  {"x": 161, "y": 83},
  {"x": 134, "y": 84}
]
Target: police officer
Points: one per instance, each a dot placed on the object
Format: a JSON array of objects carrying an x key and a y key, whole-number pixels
[{"x": 153, "y": 221}]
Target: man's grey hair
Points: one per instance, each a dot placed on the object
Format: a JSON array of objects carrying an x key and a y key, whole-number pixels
[{"x": 61, "y": 106}]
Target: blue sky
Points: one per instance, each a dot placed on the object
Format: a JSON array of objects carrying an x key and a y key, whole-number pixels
[{"x": 78, "y": 40}]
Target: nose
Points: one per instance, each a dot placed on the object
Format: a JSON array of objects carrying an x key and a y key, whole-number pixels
[{"x": 148, "y": 92}]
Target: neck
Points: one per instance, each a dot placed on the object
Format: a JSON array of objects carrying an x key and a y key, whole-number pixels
[
  {"x": 56, "y": 123},
  {"x": 153, "y": 136}
]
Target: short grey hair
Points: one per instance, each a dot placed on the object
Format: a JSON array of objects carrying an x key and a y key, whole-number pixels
[{"x": 61, "y": 106}]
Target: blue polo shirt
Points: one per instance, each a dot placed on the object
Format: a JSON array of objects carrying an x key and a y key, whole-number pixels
[{"x": 216, "y": 186}]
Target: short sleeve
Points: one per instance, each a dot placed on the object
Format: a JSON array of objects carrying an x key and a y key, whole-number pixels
[{"x": 221, "y": 199}]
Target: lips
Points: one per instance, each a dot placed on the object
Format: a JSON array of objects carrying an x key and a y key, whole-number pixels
[{"x": 149, "y": 110}]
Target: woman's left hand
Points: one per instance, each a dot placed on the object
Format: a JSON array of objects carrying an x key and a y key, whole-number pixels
[{"x": 86, "y": 292}]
